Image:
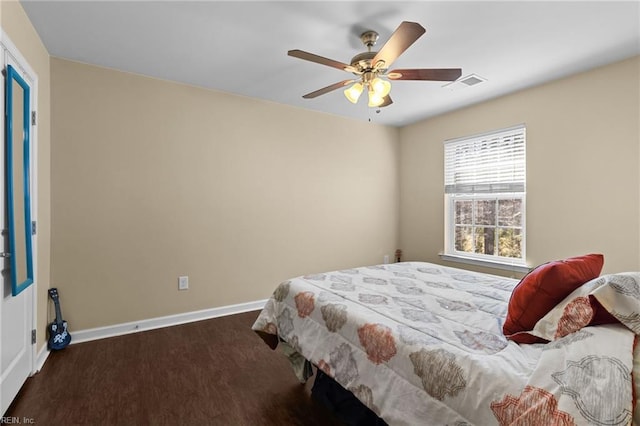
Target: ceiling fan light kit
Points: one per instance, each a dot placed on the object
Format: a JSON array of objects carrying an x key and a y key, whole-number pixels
[
  {"x": 377, "y": 89},
  {"x": 371, "y": 67}
]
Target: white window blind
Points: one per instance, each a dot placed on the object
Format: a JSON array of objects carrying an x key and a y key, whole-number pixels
[{"x": 488, "y": 163}]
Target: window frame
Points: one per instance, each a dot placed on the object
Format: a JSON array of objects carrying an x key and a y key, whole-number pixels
[
  {"x": 450, "y": 230},
  {"x": 517, "y": 191}
]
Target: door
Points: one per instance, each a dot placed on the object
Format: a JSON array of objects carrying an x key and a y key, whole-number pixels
[{"x": 17, "y": 303}]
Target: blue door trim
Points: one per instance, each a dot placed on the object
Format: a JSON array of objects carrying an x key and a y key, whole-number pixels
[{"x": 12, "y": 75}]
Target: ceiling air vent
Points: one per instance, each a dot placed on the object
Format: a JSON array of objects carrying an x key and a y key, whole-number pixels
[{"x": 466, "y": 81}]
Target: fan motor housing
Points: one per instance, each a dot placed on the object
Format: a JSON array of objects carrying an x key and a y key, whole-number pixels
[{"x": 362, "y": 61}]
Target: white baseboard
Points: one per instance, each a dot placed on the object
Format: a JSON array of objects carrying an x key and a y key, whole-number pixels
[{"x": 81, "y": 336}]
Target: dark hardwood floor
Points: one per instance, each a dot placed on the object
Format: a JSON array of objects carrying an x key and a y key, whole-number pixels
[{"x": 213, "y": 372}]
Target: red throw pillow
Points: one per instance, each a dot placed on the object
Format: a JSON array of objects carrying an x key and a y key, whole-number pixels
[{"x": 543, "y": 288}]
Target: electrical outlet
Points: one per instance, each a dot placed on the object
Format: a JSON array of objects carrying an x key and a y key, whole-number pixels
[
  {"x": 183, "y": 283},
  {"x": 386, "y": 258}
]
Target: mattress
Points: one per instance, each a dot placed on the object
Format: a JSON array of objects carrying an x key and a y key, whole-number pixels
[{"x": 420, "y": 343}]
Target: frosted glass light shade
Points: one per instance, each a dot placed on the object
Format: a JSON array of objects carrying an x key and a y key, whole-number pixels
[
  {"x": 375, "y": 99},
  {"x": 353, "y": 93},
  {"x": 381, "y": 87}
]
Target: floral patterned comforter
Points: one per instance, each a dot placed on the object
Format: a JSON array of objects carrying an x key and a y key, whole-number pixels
[{"x": 422, "y": 344}]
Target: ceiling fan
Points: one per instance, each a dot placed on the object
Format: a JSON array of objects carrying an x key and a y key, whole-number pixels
[{"x": 371, "y": 68}]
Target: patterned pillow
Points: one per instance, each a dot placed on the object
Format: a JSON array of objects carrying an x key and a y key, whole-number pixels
[
  {"x": 542, "y": 289},
  {"x": 604, "y": 300}
]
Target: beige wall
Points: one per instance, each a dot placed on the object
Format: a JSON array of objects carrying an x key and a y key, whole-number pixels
[
  {"x": 583, "y": 162},
  {"x": 152, "y": 180},
  {"x": 15, "y": 23}
]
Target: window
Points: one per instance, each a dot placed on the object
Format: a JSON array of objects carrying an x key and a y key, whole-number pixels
[{"x": 485, "y": 197}]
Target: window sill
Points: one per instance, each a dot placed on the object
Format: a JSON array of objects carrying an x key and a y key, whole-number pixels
[{"x": 486, "y": 263}]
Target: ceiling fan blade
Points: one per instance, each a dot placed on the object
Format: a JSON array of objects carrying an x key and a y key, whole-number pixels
[
  {"x": 327, "y": 89},
  {"x": 404, "y": 36},
  {"x": 387, "y": 101},
  {"x": 301, "y": 54},
  {"x": 435, "y": 74}
]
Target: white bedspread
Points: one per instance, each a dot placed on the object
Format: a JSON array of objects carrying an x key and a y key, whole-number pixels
[{"x": 422, "y": 344}]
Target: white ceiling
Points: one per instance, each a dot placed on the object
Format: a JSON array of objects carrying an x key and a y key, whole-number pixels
[{"x": 241, "y": 47}]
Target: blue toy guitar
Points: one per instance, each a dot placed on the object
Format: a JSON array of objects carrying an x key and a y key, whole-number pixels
[{"x": 59, "y": 336}]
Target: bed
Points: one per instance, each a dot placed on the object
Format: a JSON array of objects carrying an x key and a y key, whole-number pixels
[{"x": 420, "y": 343}]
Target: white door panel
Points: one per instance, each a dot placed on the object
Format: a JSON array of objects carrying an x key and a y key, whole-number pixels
[
  {"x": 17, "y": 315},
  {"x": 16, "y": 344}
]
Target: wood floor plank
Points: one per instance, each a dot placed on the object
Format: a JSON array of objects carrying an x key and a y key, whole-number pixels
[{"x": 213, "y": 372}]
